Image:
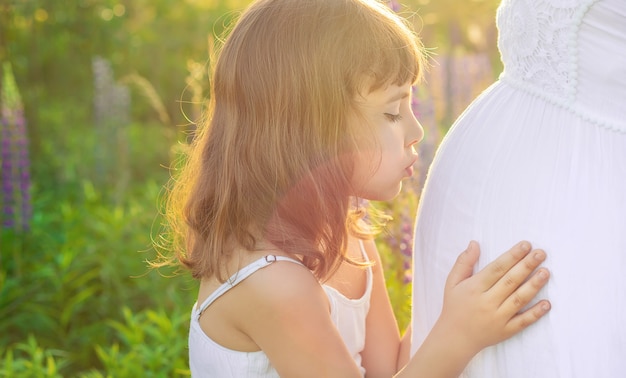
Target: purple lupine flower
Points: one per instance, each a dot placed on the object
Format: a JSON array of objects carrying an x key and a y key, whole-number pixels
[
  {"x": 408, "y": 276},
  {"x": 111, "y": 108},
  {"x": 15, "y": 175},
  {"x": 406, "y": 245},
  {"x": 406, "y": 236}
]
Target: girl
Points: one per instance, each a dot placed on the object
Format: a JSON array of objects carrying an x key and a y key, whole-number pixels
[{"x": 310, "y": 110}]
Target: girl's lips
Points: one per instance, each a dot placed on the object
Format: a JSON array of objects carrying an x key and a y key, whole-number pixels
[{"x": 409, "y": 170}]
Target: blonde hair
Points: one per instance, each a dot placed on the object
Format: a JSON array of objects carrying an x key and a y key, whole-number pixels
[{"x": 272, "y": 162}]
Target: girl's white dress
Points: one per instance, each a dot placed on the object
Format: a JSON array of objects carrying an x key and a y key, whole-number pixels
[
  {"x": 540, "y": 156},
  {"x": 208, "y": 359}
]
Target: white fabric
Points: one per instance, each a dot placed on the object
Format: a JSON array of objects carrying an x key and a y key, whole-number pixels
[
  {"x": 541, "y": 156},
  {"x": 349, "y": 315},
  {"x": 209, "y": 359}
]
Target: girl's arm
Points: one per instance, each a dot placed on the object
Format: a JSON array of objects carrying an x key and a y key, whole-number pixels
[
  {"x": 479, "y": 311},
  {"x": 405, "y": 348},
  {"x": 382, "y": 339}
]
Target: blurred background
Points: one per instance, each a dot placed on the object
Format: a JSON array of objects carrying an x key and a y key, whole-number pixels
[{"x": 97, "y": 96}]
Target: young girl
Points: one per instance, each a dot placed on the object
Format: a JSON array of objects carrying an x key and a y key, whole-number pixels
[{"x": 310, "y": 111}]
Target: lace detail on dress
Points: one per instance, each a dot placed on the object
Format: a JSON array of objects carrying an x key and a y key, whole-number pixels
[{"x": 537, "y": 42}]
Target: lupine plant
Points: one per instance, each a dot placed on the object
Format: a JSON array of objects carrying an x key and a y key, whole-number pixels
[
  {"x": 111, "y": 119},
  {"x": 15, "y": 166}
]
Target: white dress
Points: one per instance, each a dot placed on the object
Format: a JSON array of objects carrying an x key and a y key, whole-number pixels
[
  {"x": 540, "y": 156},
  {"x": 208, "y": 359}
]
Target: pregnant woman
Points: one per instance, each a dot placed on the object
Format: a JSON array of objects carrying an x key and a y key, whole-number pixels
[{"x": 541, "y": 156}]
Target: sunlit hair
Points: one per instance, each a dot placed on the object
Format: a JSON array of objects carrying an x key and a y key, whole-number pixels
[{"x": 273, "y": 160}]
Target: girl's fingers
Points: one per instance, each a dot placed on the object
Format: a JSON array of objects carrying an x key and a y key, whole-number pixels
[
  {"x": 525, "y": 293},
  {"x": 508, "y": 285},
  {"x": 497, "y": 270},
  {"x": 528, "y": 317}
]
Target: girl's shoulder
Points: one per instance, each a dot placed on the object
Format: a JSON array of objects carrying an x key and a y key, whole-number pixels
[
  {"x": 262, "y": 290},
  {"x": 275, "y": 289},
  {"x": 283, "y": 278},
  {"x": 269, "y": 279}
]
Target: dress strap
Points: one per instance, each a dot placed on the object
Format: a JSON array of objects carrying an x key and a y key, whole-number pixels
[
  {"x": 363, "y": 251},
  {"x": 369, "y": 274},
  {"x": 241, "y": 275}
]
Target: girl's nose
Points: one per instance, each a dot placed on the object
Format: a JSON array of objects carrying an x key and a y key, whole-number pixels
[{"x": 415, "y": 132}]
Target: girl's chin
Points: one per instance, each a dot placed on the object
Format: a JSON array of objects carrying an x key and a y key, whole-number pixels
[
  {"x": 387, "y": 195},
  {"x": 382, "y": 194}
]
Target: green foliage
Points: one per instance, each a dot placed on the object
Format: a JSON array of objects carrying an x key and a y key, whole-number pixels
[
  {"x": 149, "y": 345},
  {"x": 28, "y": 359},
  {"x": 65, "y": 281},
  {"x": 152, "y": 346}
]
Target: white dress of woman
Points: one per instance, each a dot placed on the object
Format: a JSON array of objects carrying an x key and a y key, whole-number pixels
[{"x": 540, "y": 156}]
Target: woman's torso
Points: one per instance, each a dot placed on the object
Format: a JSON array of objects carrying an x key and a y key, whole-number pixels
[{"x": 541, "y": 156}]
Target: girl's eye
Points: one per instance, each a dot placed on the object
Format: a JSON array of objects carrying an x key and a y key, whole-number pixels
[{"x": 393, "y": 117}]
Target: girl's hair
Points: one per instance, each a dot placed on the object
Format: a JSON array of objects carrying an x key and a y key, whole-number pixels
[{"x": 273, "y": 160}]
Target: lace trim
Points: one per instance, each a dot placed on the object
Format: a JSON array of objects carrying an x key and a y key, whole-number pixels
[{"x": 537, "y": 42}]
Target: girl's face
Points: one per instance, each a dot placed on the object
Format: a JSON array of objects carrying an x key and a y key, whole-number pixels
[{"x": 387, "y": 154}]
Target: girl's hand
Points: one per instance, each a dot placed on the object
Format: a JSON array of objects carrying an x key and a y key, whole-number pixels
[
  {"x": 484, "y": 309},
  {"x": 480, "y": 310}
]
